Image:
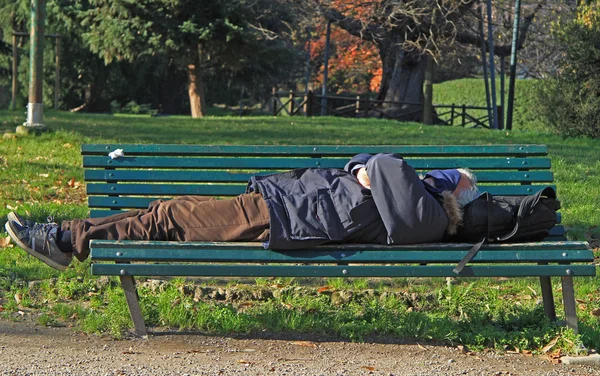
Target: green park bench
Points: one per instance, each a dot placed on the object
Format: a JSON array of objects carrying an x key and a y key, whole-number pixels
[{"x": 149, "y": 172}]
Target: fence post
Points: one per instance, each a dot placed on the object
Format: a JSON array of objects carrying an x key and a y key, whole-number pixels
[
  {"x": 452, "y": 114},
  {"x": 273, "y": 101},
  {"x": 367, "y": 104},
  {"x": 464, "y": 114},
  {"x": 308, "y": 103},
  {"x": 357, "y": 108},
  {"x": 291, "y": 103}
]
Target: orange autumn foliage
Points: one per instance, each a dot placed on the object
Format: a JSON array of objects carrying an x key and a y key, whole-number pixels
[{"x": 354, "y": 65}]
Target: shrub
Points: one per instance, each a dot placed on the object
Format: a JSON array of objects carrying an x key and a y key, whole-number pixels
[{"x": 570, "y": 101}]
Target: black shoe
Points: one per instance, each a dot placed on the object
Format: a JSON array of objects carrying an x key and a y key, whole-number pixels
[
  {"x": 15, "y": 217},
  {"x": 39, "y": 240}
]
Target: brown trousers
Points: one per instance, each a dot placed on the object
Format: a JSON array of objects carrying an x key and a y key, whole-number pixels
[{"x": 187, "y": 218}]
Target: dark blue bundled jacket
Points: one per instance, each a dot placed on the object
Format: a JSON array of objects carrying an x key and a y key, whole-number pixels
[{"x": 314, "y": 206}]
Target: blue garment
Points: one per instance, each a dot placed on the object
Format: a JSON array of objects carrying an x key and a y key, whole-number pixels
[
  {"x": 309, "y": 207},
  {"x": 445, "y": 180}
]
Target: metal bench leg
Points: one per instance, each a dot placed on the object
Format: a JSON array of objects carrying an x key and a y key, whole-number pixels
[
  {"x": 128, "y": 283},
  {"x": 569, "y": 302},
  {"x": 548, "y": 298}
]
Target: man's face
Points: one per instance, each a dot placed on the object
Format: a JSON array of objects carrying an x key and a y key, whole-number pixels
[{"x": 463, "y": 183}]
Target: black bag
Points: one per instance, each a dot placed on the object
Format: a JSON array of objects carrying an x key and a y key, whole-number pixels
[{"x": 506, "y": 219}]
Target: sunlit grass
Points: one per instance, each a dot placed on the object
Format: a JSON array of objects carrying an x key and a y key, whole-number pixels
[{"x": 42, "y": 176}]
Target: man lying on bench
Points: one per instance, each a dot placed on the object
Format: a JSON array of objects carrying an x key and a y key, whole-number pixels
[{"x": 375, "y": 199}]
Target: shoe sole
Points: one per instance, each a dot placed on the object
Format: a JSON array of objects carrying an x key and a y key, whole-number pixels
[
  {"x": 35, "y": 254},
  {"x": 13, "y": 217}
]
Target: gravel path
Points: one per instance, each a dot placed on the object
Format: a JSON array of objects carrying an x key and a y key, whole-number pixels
[{"x": 29, "y": 349}]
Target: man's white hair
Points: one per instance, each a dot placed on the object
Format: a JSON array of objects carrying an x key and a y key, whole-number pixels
[
  {"x": 469, "y": 175},
  {"x": 467, "y": 195}
]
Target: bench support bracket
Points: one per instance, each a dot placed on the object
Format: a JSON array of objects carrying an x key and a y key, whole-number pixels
[
  {"x": 569, "y": 303},
  {"x": 128, "y": 283},
  {"x": 548, "y": 298}
]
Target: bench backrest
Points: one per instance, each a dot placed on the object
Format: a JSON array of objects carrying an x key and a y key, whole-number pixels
[{"x": 149, "y": 172}]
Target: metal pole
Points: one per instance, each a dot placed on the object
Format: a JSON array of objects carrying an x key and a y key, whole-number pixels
[
  {"x": 15, "y": 65},
  {"x": 502, "y": 76},
  {"x": 492, "y": 67},
  {"x": 35, "y": 112},
  {"x": 483, "y": 59},
  {"x": 325, "y": 69},
  {"x": 57, "y": 74},
  {"x": 307, "y": 80},
  {"x": 513, "y": 66}
]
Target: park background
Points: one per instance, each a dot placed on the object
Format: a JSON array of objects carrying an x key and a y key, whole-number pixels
[{"x": 122, "y": 62}]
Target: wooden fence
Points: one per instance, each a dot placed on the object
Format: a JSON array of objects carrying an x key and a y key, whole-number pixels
[{"x": 310, "y": 104}]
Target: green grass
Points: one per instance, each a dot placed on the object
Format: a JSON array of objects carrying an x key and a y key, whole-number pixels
[{"x": 41, "y": 176}]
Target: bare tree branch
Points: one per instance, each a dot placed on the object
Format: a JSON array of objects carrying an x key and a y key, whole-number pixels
[
  {"x": 366, "y": 31},
  {"x": 501, "y": 50}
]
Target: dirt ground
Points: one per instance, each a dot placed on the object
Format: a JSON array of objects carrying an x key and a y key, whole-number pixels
[{"x": 30, "y": 349}]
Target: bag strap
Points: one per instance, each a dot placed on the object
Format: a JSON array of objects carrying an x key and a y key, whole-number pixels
[
  {"x": 473, "y": 251},
  {"x": 525, "y": 208}
]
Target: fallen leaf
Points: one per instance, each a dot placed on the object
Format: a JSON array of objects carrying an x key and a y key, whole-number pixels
[
  {"x": 580, "y": 301},
  {"x": 421, "y": 347},
  {"x": 527, "y": 353},
  {"x": 287, "y": 306},
  {"x": 43, "y": 175},
  {"x": 532, "y": 290},
  {"x": 277, "y": 286},
  {"x": 5, "y": 242},
  {"x": 71, "y": 183},
  {"x": 462, "y": 349},
  {"x": 323, "y": 289},
  {"x": 550, "y": 344},
  {"x": 246, "y": 362},
  {"x": 596, "y": 311},
  {"x": 304, "y": 343},
  {"x": 555, "y": 356},
  {"x": 18, "y": 298},
  {"x": 368, "y": 368}
]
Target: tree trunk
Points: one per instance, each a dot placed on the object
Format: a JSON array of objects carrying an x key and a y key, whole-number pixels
[
  {"x": 402, "y": 82},
  {"x": 196, "y": 90}
]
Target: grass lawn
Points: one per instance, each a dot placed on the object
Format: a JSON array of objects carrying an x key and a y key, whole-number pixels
[{"x": 41, "y": 176}]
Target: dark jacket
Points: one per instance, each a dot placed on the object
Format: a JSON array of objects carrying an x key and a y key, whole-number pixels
[{"x": 313, "y": 206}]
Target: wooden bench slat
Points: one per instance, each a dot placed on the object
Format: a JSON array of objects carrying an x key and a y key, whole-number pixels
[
  {"x": 159, "y": 191},
  {"x": 185, "y": 176},
  {"x": 321, "y": 256},
  {"x": 244, "y": 246},
  {"x": 236, "y": 189},
  {"x": 339, "y": 271},
  {"x": 347, "y": 150},
  {"x": 291, "y": 163},
  {"x": 97, "y": 213}
]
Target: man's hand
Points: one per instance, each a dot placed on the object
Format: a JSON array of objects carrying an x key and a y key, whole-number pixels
[{"x": 363, "y": 178}]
